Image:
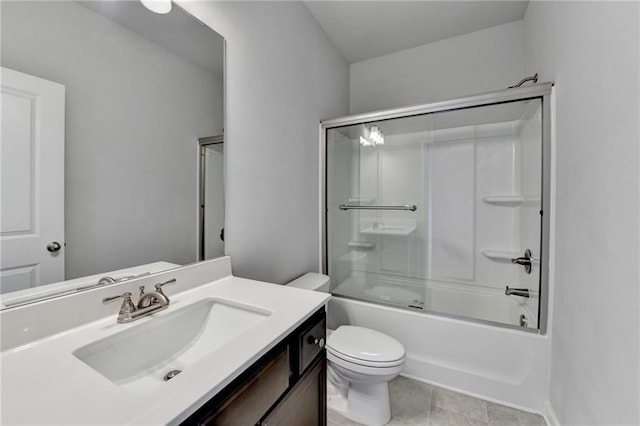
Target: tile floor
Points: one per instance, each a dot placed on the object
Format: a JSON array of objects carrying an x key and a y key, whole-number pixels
[{"x": 417, "y": 403}]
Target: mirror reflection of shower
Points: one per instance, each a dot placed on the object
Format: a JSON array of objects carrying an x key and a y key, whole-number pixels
[{"x": 211, "y": 197}]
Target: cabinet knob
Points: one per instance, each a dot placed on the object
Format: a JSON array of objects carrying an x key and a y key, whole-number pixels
[{"x": 316, "y": 341}]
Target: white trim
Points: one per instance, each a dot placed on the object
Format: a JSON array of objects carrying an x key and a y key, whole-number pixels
[{"x": 550, "y": 415}]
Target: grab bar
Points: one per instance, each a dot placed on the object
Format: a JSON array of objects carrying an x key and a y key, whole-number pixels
[{"x": 411, "y": 207}]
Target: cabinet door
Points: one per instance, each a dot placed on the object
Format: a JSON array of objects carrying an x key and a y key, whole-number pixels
[
  {"x": 249, "y": 403},
  {"x": 305, "y": 404}
]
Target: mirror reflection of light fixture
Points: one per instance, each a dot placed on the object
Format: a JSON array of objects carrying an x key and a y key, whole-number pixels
[
  {"x": 375, "y": 136},
  {"x": 157, "y": 6}
]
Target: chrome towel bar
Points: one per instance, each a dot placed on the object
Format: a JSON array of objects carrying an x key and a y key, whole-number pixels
[{"x": 411, "y": 207}]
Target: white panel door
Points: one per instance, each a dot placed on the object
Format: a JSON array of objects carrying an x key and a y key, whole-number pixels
[{"x": 31, "y": 181}]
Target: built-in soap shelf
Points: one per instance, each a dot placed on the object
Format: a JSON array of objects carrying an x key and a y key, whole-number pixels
[
  {"x": 389, "y": 229},
  {"x": 508, "y": 200},
  {"x": 504, "y": 255},
  {"x": 359, "y": 200}
]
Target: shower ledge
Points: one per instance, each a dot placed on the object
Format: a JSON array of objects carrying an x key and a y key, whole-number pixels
[{"x": 387, "y": 229}]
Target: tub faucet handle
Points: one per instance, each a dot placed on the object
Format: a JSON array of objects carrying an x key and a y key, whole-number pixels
[
  {"x": 525, "y": 261},
  {"x": 522, "y": 292}
]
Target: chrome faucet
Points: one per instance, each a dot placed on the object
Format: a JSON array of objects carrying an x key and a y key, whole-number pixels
[
  {"x": 106, "y": 280},
  {"x": 522, "y": 292},
  {"x": 148, "y": 303}
]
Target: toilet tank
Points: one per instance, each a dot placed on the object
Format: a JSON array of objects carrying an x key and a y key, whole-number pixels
[{"x": 312, "y": 281}]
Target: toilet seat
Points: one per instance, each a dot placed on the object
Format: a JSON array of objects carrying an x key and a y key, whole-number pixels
[{"x": 365, "y": 347}]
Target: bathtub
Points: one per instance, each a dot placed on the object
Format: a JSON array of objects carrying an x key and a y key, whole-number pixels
[
  {"x": 448, "y": 298},
  {"x": 505, "y": 365}
]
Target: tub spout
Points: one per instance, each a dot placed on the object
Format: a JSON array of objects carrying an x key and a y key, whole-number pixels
[{"x": 522, "y": 292}]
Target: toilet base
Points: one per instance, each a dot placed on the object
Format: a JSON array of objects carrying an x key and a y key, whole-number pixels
[{"x": 366, "y": 403}]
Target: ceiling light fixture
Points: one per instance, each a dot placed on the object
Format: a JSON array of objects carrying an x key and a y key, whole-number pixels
[
  {"x": 375, "y": 137},
  {"x": 157, "y": 6}
]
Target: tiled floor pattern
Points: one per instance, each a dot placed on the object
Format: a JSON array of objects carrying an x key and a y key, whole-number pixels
[{"x": 417, "y": 403}]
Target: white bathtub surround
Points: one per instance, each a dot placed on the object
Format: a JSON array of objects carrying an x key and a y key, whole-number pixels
[
  {"x": 475, "y": 177},
  {"x": 503, "y": 365},
  {"x": 39, "y": 369}
]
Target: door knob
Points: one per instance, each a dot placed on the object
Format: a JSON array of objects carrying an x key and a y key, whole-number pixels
[{"x": 54, "y": 246}]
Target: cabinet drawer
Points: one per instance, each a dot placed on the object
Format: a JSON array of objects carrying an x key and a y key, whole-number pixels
[
  {"x": 249, "y": 403},
  {"x": 311, "y": 343}
]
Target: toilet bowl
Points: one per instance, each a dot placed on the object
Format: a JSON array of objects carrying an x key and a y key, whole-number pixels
[{"x": 360, "y": 363}]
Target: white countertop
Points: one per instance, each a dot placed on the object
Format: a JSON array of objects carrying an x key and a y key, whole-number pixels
[{"x": 44, "y": 383}]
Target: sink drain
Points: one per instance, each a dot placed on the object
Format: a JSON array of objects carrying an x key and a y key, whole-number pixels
[{"x": 171, "y": 374}]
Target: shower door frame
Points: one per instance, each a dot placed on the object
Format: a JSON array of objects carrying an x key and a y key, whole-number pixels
[
  {"x": 203, "y": 143},
  {"x": 541, "y": 91}
]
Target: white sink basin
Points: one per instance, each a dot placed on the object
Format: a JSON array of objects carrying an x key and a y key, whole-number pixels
[{"x": 139, "y": 357}]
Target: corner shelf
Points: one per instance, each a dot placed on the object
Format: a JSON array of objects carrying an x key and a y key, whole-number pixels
[
  {"x": 508, "y": 200},
  {"x": 362, "y": 245}
]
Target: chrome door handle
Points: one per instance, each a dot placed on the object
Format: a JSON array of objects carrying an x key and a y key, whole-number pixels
[{"x": 53, "y": 246}]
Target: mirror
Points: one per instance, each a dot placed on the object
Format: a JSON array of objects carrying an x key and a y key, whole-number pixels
[{"x": 126, "y": 94}]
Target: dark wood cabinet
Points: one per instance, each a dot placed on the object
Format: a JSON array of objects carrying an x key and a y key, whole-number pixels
[
  {"x": 305, "y": 405},
  {"x": 286, "y": 386}
]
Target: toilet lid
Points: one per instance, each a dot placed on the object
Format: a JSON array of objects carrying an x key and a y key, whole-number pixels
[{"x": 365, "y": 346}]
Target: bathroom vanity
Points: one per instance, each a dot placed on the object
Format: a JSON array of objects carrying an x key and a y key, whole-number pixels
[
  {"x": 227, "y": 350},
  {"x": 286, "y": 386}
]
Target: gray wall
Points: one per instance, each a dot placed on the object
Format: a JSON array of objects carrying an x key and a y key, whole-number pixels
[
  {"x": 482, "y": 61},
  {"x": 283, "y": 76},
  {"x": 591, "y": 51},
  {"x": 133, "y": 115}
]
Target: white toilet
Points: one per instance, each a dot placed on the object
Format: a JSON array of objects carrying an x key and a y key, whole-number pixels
[{"x": 360, "y": 364}]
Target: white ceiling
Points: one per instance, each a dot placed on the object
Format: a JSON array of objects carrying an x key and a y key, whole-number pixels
[{"x": 367, "y": 29}]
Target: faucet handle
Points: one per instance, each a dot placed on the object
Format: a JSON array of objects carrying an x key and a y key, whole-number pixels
[
  {"x": 112, "y": 298},
  {"x": 127, "y": 305},
  {"x": 160, "y": 285}
]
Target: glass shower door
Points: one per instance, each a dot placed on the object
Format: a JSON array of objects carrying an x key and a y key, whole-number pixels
[
  {"x": 441, "y": 214},
  {"x": 376, "y": 197}
]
